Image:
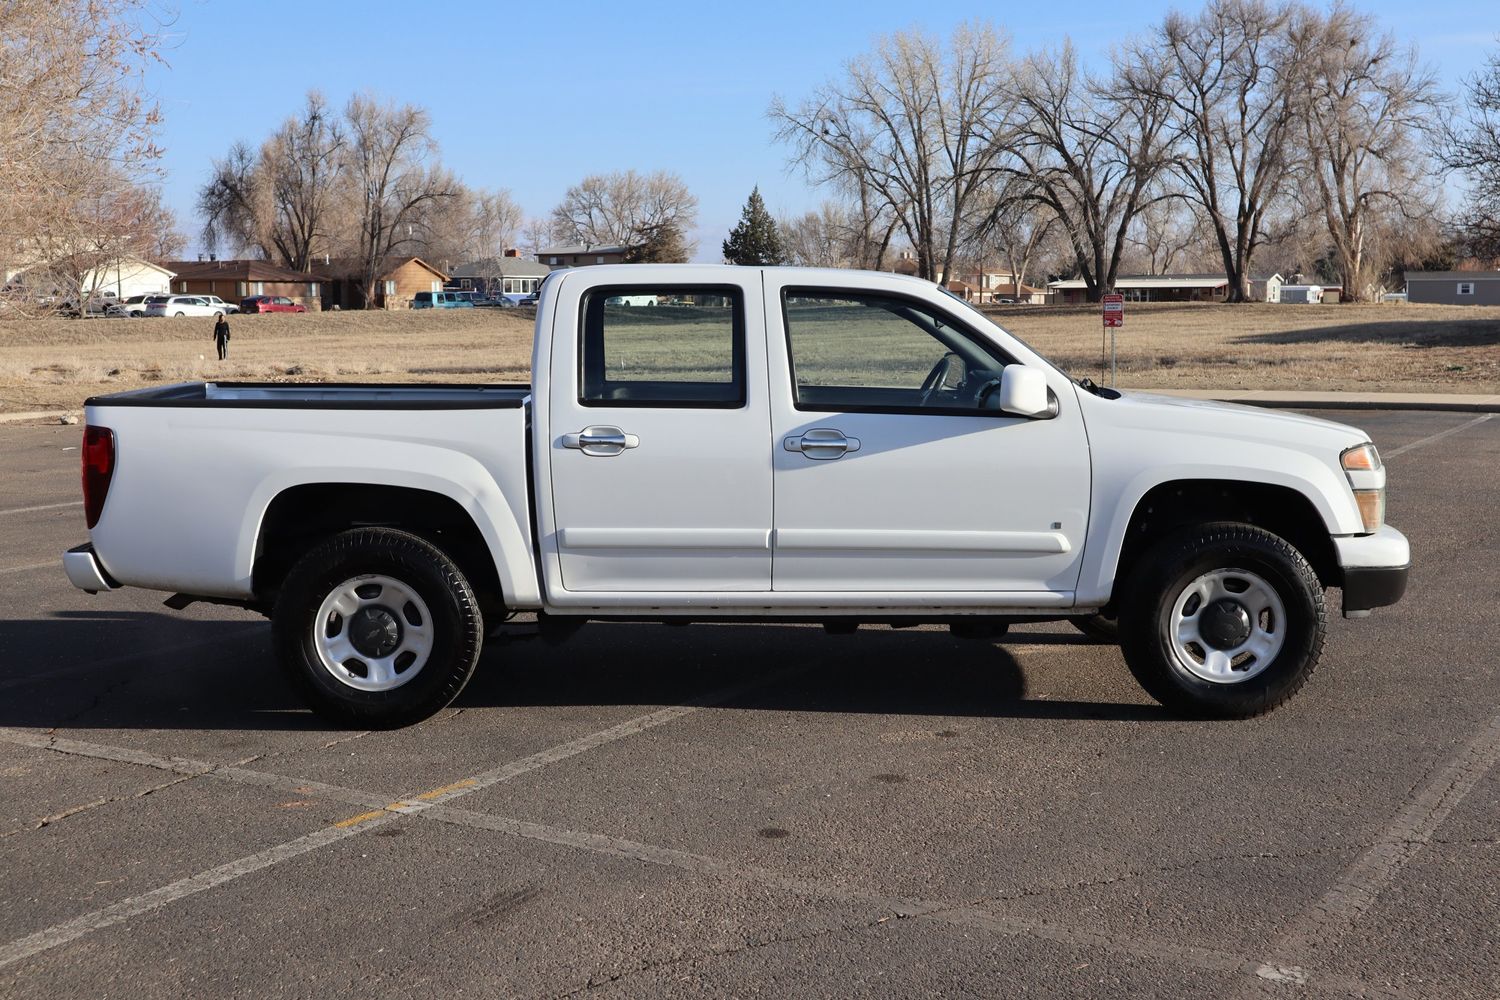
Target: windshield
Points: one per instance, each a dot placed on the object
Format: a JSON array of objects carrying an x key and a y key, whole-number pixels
[{"x": 990, "y": 320}]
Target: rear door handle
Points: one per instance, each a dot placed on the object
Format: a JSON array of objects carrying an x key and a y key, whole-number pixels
[
  {"x": 601, "y": 441},
  {"x": 822, "y": 444}
]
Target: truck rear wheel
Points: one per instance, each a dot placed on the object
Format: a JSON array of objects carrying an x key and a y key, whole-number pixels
[
  {"x": 377, "y": 628},
  {"x": 1223, "y": 620}
]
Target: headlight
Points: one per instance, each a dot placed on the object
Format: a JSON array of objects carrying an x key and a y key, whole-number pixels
[
  {"x": 1361, "y": 458},
  {"x": 1363, "y": 469}
]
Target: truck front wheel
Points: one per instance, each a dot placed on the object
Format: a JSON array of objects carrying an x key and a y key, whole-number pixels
[
  {"x": 377, "y": 628},
  {"x": 1223, "y": 620}
]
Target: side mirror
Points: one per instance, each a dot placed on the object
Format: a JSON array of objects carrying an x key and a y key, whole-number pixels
[{"x": 1023, "y": 392}]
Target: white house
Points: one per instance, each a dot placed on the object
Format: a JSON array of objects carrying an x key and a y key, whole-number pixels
[
  {"x": 124, "y": 278},
  {"x": 119, "y": 279}
]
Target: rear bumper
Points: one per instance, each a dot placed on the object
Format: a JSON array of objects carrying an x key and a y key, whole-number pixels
[
  {"x": 84, "y": 571},
  {"x": 1375, "y": 569}
]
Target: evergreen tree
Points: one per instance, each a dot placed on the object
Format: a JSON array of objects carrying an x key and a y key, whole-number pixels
[{"x": 756, "y": 240}]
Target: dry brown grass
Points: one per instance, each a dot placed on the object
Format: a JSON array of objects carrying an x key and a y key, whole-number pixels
[
  {"x": 1378, "y": 348},
  {"x": 55, "y": 364}
]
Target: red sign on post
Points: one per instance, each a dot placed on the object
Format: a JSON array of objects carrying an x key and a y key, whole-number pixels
[{"x": 1114, "y": 310}]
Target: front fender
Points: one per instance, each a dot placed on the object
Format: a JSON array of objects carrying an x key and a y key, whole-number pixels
[{"x": 1118, "y": 493}]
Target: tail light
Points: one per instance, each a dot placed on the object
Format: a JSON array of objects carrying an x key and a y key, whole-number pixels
[{"x": 98, "y": 469}]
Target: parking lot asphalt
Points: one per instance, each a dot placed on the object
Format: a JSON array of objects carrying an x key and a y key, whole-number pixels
[{"x": 752, "y": 810}]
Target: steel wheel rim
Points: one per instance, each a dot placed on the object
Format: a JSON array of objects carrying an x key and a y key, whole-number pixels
[
  {"x": 350, "y": 655},
  {"x": 1218, "y": 663}
]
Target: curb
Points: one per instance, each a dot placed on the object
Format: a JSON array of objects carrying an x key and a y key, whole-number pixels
[
  {"x": 1276, "y": 399},
  {"x": 15, "y": 418},
  {"x": 1369, "y": 404}
]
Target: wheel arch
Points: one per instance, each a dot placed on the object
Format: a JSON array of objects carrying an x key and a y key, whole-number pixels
[
  {"x": 1166, "y": 506},
  {"x": 297, "y": 516}
]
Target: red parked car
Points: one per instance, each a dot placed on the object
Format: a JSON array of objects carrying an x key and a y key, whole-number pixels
[{"x": 270, "y": 304}]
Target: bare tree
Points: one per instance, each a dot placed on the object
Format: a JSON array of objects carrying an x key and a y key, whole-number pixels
[
  {"x": 535, "y": 235},
  {"x": 1013, "y": 226},
  {"x": 391, "y": 163},
  {"x": 1365, "y": 106},
  {"x": 618, "y": 209},
  {"x": 1232, "y": 73},
  {"x": 912, "y": 128},
  {"x": 445, "y": 231},
  {"x": 828, "y": 237},
  {"x": 235, "y": 205},
  {"x": 304, "y": 162},
  {"x": 284, "y": 201},
  {"x": 1471, "y": 145},
  {"x": 1173, "y": 234},
  {"x": 1092, "y": 151},
  {"x": 77, "y": 127},
  {"x": 497, "y": 222}
]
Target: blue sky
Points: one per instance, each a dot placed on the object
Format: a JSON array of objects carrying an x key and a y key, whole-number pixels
[{"x": 532, "y": 96}]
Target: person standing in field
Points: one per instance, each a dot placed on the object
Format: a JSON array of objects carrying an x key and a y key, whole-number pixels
[{"x": 221, "y": 336}]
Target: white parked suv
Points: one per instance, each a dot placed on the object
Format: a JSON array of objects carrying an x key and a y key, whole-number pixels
[
  {"x": 835, "y": 447},
  {"x": 184, "y": 305},
  {"x": 133, "y": 307}
]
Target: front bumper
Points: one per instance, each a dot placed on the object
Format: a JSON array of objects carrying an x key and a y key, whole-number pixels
[
  {"x": 1375, "y": 569},
  {"x": 84, "y": 571}
]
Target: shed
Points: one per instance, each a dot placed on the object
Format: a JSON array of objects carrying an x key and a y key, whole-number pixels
[{"x": 1301, "y": 294}]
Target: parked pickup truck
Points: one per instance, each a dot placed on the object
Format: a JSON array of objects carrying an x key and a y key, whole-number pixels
[{"x": 766, "y": 444}]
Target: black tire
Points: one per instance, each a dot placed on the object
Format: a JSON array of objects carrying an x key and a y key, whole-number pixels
[
  {"x": 456, "y": 623},
  {"x": 1101, "y": 628},
  {"x": 1165, "y": 573}
]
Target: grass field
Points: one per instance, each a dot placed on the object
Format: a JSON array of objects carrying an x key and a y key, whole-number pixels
[{"x": 55, "y": 364}]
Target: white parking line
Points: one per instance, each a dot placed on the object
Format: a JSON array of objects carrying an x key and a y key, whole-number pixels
[
  {"x": 45, "y": 506},
  {"x": 116, "y": 913},
  {"x": 429, "y": 806},
  {"x": 1438, "y": 436},
  {"x": 1323, "y": 924},
  {"x": 122, "y": 911},
  {"x": 54, "y": 562}
]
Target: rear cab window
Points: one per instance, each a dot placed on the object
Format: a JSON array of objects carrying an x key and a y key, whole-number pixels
[{"x": 664, "y": 346}]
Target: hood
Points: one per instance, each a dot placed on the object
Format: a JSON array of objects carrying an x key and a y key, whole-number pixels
[{"x": 1147, "y": 411}]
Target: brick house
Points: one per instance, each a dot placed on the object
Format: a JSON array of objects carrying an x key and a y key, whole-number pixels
[
  {"x": 233, "y": 280},
  {"x": 398, "y": 280}
]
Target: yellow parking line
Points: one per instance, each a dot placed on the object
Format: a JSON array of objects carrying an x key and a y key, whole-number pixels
[
  {"x": 344, "y": 824},
  {"x": 438, "y": 793}
]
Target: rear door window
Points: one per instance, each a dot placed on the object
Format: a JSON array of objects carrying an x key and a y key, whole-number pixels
[{"x": 681, "y": 346}]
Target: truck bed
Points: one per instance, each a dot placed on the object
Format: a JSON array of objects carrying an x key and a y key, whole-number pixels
[{"x": 323, "y": 395}]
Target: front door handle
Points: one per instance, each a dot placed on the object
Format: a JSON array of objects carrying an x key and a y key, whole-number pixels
[
  {"x": 601, "y": 441},
  {"x": 822, "y": 444}
]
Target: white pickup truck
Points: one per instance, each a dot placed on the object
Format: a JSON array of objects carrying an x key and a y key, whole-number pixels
[{"x": 772, "y": 444}]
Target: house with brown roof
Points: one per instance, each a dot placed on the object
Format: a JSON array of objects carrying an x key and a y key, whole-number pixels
[
  {"x": 397, "y": 282},
  {"x": 233, "y": 280},
  {"x": 977, "y": 283}
]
